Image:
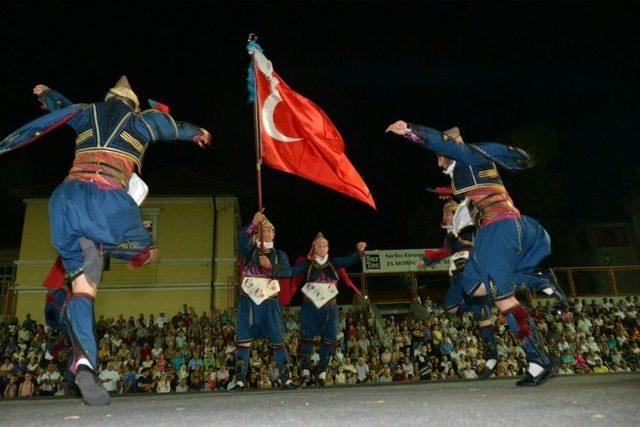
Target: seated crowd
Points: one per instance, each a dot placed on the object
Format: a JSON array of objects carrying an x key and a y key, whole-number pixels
[{"x": 187, "y": 352}]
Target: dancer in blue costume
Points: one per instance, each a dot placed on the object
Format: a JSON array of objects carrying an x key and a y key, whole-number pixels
[
  {"x": 263, "y": 319},
  {"x": 322, "y": 271},
  {"x": 457, "y": 249},
  {"x": 505, "y": 242},
  {"x": 91, "y": 213}
]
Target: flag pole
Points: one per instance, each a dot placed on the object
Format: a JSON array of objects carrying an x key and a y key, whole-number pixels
[
  {"x": 258, "y": 141},
  {"x": 256, "y": 126}
]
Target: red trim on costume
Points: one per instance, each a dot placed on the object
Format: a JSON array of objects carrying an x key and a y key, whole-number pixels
[
  {"x": 59, "y": 346},
  {"x": 347, "y": 280},
  {"x": 159, "y": 106},
  {"x": 51, "y": 300},
  {"x": 56, "y": 277},
  {"x": 289, "y": 286},
  {"x": 140, "y": 259},
  {"x": 436, "y": 254},
  {"x": 521, "y": 314},
  {"x": 47, "y": 130},
  {"x": 443, "y": 192}
]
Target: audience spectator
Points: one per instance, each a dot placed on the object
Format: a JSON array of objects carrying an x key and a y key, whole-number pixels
[
  {"x": 110, "y": 378},
  {"x": 154, "y": 353},
  {"x": 49, "y": 380}
]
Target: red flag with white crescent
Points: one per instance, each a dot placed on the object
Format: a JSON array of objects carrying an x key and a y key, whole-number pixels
[{"x": 298, "y": 137}]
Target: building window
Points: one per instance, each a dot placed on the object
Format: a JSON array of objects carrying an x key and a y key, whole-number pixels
[{"x": 614, "y": 236}]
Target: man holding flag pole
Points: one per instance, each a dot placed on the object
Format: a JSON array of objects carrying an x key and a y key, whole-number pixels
[{"x": 294, "y": 135}]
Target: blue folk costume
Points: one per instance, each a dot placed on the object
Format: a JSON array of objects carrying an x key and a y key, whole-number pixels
[
  {"x": 262, "y": 320},
  {"x": 505, "y": 242},
  {"x": 323, "y": 321},
  {"x": 458, "y": 248},
  {"x": 91, "y": 214}
]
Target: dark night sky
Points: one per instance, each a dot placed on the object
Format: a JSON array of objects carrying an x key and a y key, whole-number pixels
[{"x": 558, "y": 77}]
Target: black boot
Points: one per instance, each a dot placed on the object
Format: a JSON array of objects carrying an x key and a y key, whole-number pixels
[
  {"x": 289, "y": 385},
  {"x": 486, "y": 372},
  {"x": 239, "y": 386},
  {"x": 91, "y": 387},
  {"x": 530, "y": 381}
]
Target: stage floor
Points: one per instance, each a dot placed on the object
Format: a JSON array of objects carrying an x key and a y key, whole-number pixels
[{"x": 578, "y": 400}]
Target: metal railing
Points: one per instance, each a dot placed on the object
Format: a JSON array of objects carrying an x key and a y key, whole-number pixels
[
  {"x": 575, "y": 281},
  {"x": 600, "y": 280},
  {"x": 7, "y": 291}
]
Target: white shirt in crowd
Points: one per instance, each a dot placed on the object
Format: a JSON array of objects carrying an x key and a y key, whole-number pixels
[
  {"x": 116, "y": 342},
  {"x": 584, "y": 325},
  {"x": 164, "y": 386},
  {"x": 161, "y": 320},
  {"x": 362, "y": 371},
  {"x": 112, "y": 378},
  {"x": 50, "y": 376},
  {"x": 469, "y": 373},
  {"x": 24, "y": 334}
]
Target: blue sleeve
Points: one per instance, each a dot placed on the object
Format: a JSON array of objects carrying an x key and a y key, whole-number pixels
[
  {"x": 300, "y": 268},
  {"x": 163, "y": 127},
  {"x": 82, "y": 121},
  {"x": 346, "y": 261},
  {"x": 284, "y": 269},
  {"x": 442, "y": 144},
  {"x": 244, "y": 241},
  {"x": 54, "y": 100}
]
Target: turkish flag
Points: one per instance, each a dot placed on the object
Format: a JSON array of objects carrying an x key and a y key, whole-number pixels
[{"x": 298, "y": 137}]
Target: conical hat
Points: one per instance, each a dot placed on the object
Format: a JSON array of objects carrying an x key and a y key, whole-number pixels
[
  {"x": 123, "y": 89},
  {"x": 319, "y": 238},
  {"x": 123, "y": 81}
]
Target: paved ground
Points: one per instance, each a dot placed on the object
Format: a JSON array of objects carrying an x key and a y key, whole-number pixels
[{"x": 604, "y": 400}]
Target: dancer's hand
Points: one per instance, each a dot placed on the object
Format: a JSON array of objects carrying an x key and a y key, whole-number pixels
[
  {"x": 39, "y": 89},
  {"x": 258, "y": 218},
  {"x": 203, "y": 139},
  {"x": 400, "y": 127}
]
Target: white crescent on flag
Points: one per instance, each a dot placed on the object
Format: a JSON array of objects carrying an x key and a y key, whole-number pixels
[
  {"x": 272, "y": 101},
  {"x": 268, "y": 109}
]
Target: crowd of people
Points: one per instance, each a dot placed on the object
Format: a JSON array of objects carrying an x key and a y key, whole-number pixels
[{"x": 187, "y": 352}]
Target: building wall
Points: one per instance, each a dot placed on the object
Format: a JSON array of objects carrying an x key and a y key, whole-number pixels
[{"x": 183, "y": 228}]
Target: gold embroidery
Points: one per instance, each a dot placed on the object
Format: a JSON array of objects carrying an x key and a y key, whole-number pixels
[
  {"x": 82, "y": 137},
  {"x": 97, "y": 125},
  {"x": 117, "y": 128},
  {"x": 489, "y": 173},
  {"x": 457, "y": 191},
  {"x": 132, "y": 140}
]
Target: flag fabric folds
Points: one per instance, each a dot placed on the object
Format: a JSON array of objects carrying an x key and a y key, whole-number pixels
[{"x": 297, "y": 136}]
